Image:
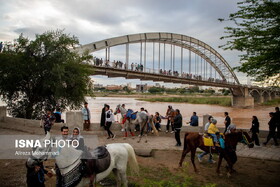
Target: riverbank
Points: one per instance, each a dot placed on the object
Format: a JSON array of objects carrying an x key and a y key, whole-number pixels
[{"x": 222, "y": 101}]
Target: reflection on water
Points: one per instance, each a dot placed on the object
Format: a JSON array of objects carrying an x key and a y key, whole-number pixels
[{"x": 240, "y": 117}]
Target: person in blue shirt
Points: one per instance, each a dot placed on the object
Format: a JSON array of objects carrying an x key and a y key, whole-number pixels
[{"x": 194, "y": 120}]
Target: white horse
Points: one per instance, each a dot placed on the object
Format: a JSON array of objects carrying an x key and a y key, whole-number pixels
[
  {"x": 69, "y": 162},
  {"x": 141, "y": 118}
]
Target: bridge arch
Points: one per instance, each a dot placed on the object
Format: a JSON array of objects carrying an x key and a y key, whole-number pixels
[
  {"x": 210, "y": 55},
  {"x": 266, "y": 95},
  {"x": 256, "y": 94}
]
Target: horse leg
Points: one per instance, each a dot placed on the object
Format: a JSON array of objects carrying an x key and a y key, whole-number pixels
[
  {"x": 192, "y": 158},
  {"x": 123, "y": 178},
  {"x": 142, "y": 127},
  {"x": 184, "y": 153},
  {"x": 146, "y": 136},
  {"x": 118, "y": 177}
]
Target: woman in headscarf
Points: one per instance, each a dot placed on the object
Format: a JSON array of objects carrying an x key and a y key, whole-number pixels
[{"x": 77, "y": 136}]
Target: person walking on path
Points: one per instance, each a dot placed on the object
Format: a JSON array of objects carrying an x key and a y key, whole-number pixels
[
  {"x": 227, "y": 121},
  {"x": 86, "y": 116},
  {"x": 103, "y": 116},
  {"x": 194, "y": 120},
  {"x": 255, "y": 130},
  {"x": 200, "y": 156},
  {"x": 272, "y": 126},
  {"x": 48, "y": 120},
  {"x": 170, "y": 113},
  {"x": 157, "y": 121},
  {"x": 277, "y": 115},
  {"x": 177, "y": 126},
  {"x": 108, "y": 122}
]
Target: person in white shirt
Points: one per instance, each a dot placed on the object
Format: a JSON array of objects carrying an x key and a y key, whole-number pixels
[
  {"x": 109, "y": 119},
  {"x": 210, "y": 160}
]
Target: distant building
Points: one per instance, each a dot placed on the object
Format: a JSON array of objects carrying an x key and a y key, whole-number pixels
[
  {"x": 98, "y": 86},
  {"x": 157, "y": 85},
  {"x": 141, "y": 87},
  {"x": 114, "y": 87}
]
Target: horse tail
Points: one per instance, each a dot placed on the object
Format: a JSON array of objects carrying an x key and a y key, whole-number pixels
[
  {"x": 185, "y": 141},
  {"x": 133, "y": 164}
]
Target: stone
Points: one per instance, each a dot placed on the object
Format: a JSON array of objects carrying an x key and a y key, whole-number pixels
[{"x": 143, "y": 152}]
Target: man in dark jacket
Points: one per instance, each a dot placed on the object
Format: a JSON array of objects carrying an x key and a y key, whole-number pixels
[
  {"x": 272, "y": 126},
  {"x": 177, "y": 126}
]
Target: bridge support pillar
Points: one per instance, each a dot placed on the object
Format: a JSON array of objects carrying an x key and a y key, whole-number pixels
[{"x": 242, "y": 101}]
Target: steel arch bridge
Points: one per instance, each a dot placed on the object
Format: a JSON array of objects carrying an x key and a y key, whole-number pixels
[
  {"x": 198, "y": 47},
  {"x": 201, "y": 49}
]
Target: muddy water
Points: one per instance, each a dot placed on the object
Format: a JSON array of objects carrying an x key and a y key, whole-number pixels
[{"x": 240, "y": 117}]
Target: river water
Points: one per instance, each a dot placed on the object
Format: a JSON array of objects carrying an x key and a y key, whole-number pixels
[{"x": 240, "y": 117}]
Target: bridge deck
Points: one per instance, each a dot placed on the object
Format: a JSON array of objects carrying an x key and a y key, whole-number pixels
[{"x": 129, "y": 74}]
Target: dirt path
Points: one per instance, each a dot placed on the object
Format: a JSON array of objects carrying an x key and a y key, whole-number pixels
[{"x": 162, "y": 166}]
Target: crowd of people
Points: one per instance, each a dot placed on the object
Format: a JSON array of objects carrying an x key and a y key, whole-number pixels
[
  {"x": 140, "y": 67},
  {"x": 36, "y": 171}
]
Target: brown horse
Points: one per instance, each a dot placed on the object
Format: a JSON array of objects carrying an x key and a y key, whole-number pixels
[{"x": 194, "y": 140}]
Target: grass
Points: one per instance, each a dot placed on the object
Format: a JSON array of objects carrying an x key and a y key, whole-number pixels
[
  {"x": 273, "y": 102},
  {"x": 223, "y": 101},
  {"x": 160, "y": 176}
]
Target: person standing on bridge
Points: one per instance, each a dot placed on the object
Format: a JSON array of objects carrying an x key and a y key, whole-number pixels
[{"x": 227, "y": 121}]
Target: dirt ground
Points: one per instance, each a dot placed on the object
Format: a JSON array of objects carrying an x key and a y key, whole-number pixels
[{"x": 163, "y": 165}]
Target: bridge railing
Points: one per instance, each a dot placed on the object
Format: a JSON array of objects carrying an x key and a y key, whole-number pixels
[{"x": 140, "y": 68}]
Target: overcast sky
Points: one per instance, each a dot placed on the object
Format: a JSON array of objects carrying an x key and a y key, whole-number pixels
[{"x": 94, "y": 20}]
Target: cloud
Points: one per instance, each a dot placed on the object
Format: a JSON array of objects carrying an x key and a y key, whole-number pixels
[{"x": 94, "y": 20}]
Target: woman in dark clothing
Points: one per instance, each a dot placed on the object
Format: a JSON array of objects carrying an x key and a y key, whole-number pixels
[
  {"x": 103, "y": 117},
  {"x": 255, "y": 130},
  {"x": 177, "y": 126}
]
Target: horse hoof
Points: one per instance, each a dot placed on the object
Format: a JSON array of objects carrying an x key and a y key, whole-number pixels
[
  {"x": 146, "y": 141},
  {"x": 138, "y": 141},
  {"x": 228, "y": 175}
]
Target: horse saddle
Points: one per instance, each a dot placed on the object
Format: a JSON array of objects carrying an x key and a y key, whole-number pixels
[{"x": 99, "y": 162}]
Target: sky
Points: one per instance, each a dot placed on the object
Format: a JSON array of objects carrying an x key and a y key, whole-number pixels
[{"x": 94, "y": 20}]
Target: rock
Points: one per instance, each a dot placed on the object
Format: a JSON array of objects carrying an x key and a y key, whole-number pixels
[{"x": 143, "y": 152}]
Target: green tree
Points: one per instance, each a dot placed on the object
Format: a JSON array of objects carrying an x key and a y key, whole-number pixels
[
  {"x": 126, "y": 89},
  {"x": 156, "y": 90},
  {"x": 44, "y": 73},
  {"x": 257, "y": 34}
]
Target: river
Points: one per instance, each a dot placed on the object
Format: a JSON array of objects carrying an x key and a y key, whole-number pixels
[{"x": 240, "y": 117}]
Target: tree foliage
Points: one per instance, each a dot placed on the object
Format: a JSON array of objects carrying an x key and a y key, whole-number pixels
[
  {"x": 43, "y": 73},
  {"x": 257, "y": 34}
]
